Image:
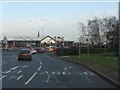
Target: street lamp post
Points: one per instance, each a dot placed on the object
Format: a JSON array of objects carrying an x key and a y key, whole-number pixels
[
  {"x": 119, "y": 44},
  {"x": 88, "y": 47},
  {"x": 79, "y": 46},
  {"x": 61, "y": 45}
]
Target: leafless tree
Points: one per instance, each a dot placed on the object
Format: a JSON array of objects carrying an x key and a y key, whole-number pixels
[{"x": 94, "y": 30}]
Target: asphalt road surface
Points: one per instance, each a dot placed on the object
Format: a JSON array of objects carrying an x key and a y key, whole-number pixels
[{"x": 47, "y": 72}]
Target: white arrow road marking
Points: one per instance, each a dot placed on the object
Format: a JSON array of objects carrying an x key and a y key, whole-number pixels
[
  {"x": 31, "y": 78},
  {"x": 4, "y": 63},
  {"x": 46, "y": 72},
  {"x": 6, "y": 72},
  {"x": 14, "y": 68},
  {"x": 19, "y": 77},
  {"x": 70, "y": 67},
  {"x": 59, "y": 73},
  {"x": 12, "y": 76},
  {"x": 88, "y": 73},
  {"x": 65, "y": 68},
  {"x": 56, "y": 79},
  {"x": 3, "y": 76},
  {"x": 20, "y": 71},
  {"x": 24, "y": 66},
  {"x": 55, "y": 73},
  {"x": 39, "y": 68},
  {"x": 63, "y": 73},
  {"x": 48, "y": 78}
]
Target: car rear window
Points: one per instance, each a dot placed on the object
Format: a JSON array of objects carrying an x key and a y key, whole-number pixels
[{"x": 24, "y": 51}]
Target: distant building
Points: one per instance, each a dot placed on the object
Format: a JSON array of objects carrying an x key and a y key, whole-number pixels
[{"x": 25, "y": 41}]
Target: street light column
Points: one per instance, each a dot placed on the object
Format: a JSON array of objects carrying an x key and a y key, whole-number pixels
[
  {"x": 88, "y": 47},
  {"x": 79, "y": 50}
]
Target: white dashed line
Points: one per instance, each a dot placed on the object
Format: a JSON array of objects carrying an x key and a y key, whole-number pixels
[
  {"x": 3, "y": 76},
  {"x": 14, "y": 68},
  {"x": 20, "y": 77},
  {"x": 39, "y": 68},
  {"x": 4, "y": 63},
  {"x": 6, "y": 72},
  {"x": 20, "y": 71},
  {"x": 24, "y": 66},
  {"x": 40, "y": 62},
  {"x": 31, "y": 78}
]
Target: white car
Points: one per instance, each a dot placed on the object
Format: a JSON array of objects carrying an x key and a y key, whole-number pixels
[{"x": 33, "y": 51}]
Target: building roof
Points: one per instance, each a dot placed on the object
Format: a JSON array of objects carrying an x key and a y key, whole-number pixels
[{"x": 22, "y": 38}]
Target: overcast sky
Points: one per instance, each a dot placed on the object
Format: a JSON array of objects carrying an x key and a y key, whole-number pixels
[{"x": 56, "y": 18}]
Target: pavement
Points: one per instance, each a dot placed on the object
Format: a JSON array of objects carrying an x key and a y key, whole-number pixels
[{"x": 107, "y": 73}]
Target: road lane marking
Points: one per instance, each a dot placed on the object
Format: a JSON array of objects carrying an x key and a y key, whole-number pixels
[
  {"x": 24, "y": 66},
  {"x": 70, "y": 67},
  {"x": 4, "y": 63},
  {"x": 20, "y": 71},
  {"x": 88, "y": 73},
  {"x": 46, "y": 72},
  {"x": 31, "y": 78},
  {"x": 12, "y": 76},
  {"x": 14, "y": 68},
  {"x": 55, "y": 73},
  {"x": 63, "y": 73},
  {"x": 6, "y": 72},
  {"x": 59, "y": 73},
  {"x": 20, "y": 77},
  {"x": 40, "y": 61},
  {"x": 65, "y": 68},
  {"x": 48, "y": 79},
  {"x": 39, "y": 68},
  {"x": 3, "y": 76},
  {"x": 87, "y": 78},
  {"x": 56, "y": 79}
]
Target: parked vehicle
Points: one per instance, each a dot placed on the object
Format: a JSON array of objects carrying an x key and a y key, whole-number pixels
[
  {"x": 33, "y": 51},
  {"x": 40, "y": 50},
  {"x": 24, "y": 54},
  {"x": 50, "y": 49}
]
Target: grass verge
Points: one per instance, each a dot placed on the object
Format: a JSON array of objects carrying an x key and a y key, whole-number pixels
[{"x": 104, "y": 59}]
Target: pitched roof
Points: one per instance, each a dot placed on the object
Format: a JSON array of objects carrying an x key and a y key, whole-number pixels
[{"x": 22, "y": 38}]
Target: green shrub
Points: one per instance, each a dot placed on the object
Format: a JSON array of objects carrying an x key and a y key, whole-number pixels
[{"x": 75, "y": 51}]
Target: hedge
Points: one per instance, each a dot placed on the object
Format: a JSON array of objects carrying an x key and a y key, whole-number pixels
[{"x": 75, "y": 51}]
